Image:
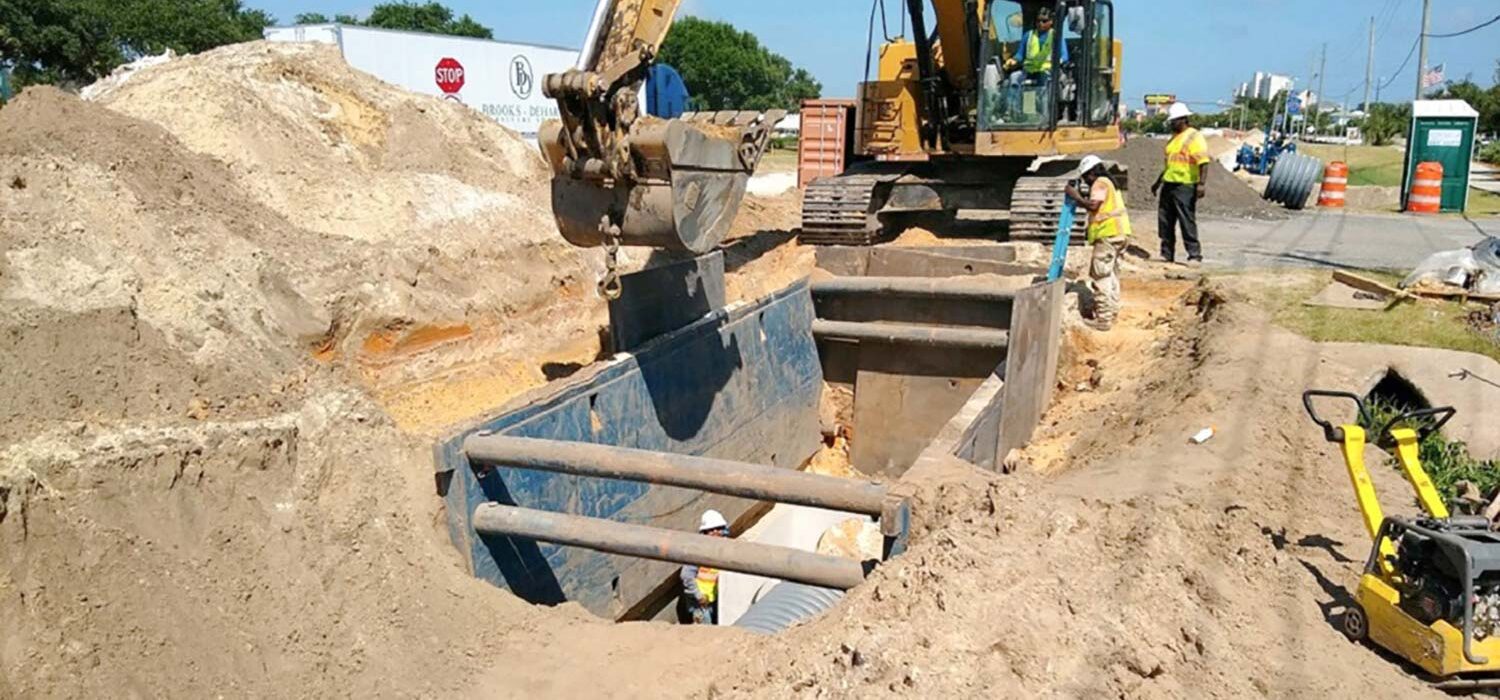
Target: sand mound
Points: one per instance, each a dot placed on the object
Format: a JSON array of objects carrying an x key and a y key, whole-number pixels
[{"x": 445, "y": 214}]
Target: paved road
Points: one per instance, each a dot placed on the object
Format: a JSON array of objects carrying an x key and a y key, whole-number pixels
[{"x": 1324, "y": 239}]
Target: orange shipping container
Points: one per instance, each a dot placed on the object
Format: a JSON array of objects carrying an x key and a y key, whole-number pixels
[{"x": 827, "y": 139}]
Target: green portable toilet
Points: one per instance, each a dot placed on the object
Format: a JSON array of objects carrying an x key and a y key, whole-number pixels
[{"x": 1442, "y": 131}]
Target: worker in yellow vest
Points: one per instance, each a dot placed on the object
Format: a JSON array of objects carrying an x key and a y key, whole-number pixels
[
  {"x": 1109, "y": 233},
  {"x": 1036, "y": 49},
  {"x": 700, "y": 584},
  {"x": 1181, "y": 184}
]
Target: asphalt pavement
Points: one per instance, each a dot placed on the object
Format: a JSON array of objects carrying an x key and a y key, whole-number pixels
[{"x": 1324, "y": 239}]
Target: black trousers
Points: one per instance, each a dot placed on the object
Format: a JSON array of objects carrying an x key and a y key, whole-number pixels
[{"x": 1179, "y": 203}]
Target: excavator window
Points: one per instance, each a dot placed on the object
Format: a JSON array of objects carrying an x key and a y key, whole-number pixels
[
  {"x": 1101, "y": 69},
  {"x": 1037, "y": 73},
  {"x": 1015, "y": 92}
]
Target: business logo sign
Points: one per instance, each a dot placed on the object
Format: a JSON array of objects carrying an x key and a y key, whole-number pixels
[{"x": 522, "y": 77}]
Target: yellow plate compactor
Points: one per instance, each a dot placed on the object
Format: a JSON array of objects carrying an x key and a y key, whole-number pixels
[{"x": 1430, "y": 591}]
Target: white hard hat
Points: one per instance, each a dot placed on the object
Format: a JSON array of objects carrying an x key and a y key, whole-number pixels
[
  {"x": 1088, "y": 163},
  {"x": 1178, "y": 110},
  {"x": 712, "y": 520}
]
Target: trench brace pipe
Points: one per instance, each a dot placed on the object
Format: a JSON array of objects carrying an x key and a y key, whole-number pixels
[
  {"x": 743, "y": 479},
  {"x": 669, "y": 545},
  {"x": 911, "y": 288},
  {"x": 913, "y": 334}
]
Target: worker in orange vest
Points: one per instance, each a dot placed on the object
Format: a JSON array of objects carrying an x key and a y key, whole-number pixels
[
  {"x": 1180, "y": 186},
  {"x": 700, "y": 584},
  {"x": 1109, "y": 233}
]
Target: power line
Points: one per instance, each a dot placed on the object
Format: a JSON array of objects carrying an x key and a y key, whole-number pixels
[
  {"x": 1409, "y": 54},
  {"x": 1470, "y": 30},
  {"x": 1392, "y": 9}
]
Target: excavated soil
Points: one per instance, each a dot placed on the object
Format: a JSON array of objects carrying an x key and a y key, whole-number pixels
[{"x": 1227, "y": 196}]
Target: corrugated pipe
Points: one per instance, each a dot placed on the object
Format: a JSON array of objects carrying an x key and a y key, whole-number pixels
[{"x": 788, "y": 604}]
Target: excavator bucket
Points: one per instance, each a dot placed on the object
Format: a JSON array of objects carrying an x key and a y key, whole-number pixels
[{"x": 686, "y": 181}]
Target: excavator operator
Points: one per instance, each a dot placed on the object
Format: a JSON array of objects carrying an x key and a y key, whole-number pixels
[{"x": 1036, "y": 50}]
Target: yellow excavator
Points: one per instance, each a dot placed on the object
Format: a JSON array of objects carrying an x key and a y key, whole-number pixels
[
  {"x": 984, "y": 109},
  {"x": 1430, "y": 591}
]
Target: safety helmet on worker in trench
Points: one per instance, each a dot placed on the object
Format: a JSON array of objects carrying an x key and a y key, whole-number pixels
[
  {"x": 1088, "y": 163},
  {"x": 1178, "y": 110},
  {"x": 712, "y": 520}
]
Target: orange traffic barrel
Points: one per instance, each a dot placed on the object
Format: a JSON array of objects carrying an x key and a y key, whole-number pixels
[
  {"x": 1426, "y": 195},
  {"x": 1335, "y": 185}
]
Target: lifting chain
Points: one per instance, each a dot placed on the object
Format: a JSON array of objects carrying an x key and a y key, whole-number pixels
[{"x": 609, "y": 285}]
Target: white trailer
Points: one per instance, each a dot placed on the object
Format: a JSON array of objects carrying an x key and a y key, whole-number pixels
[{"x": 501, "y": 79}]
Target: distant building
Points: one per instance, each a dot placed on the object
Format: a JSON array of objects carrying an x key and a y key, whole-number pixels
[
  {"x": 1267, "y": 86},
  {"x": 1243, "y": 90}
]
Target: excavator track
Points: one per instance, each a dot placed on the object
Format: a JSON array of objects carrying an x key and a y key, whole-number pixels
[
  {"x": 1036, "y": 207},
  {"x": 840, "y": 210}
]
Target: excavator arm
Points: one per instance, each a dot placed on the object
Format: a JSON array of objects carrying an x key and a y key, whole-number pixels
[{"x": 621, "y": 177}]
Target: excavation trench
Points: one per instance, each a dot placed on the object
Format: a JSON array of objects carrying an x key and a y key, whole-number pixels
[{"x": 795, "y": 415}]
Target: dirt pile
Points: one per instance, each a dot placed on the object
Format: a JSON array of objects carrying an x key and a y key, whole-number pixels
[
  {"x": 1227, "y": 195},
  {"x": 196, "y": 495},
  {"x": 449, "y": 209}
]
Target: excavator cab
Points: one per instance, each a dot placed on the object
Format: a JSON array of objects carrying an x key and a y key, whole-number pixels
[{"x": 1045, "y": 64}]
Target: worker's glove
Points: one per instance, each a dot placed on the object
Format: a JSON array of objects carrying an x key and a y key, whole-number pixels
[
  {"x": 1156, "y": 189},
  {"x": 1202, "y": 190}
]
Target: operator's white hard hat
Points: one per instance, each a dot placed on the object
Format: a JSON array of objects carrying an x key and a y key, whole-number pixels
[
  {"x": 1178, "y": 110},
  {"x": 1088, "y": 163},
  {"x": 712, "y": 520}
]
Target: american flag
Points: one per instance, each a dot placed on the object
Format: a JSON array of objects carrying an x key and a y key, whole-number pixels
[{"x": 1434, "y": 76}]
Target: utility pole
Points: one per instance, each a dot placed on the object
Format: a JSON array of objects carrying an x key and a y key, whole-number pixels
[
  {"x": 1422, "y": 50},
  {"x": 1370, "y": 67},
  {"x": 1322, "y": 76}
]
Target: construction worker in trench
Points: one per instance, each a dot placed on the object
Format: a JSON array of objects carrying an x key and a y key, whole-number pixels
[
  {"x": 1109, "y": 234},
  {"x": 1180, "y": 186},
  {"x": 700, "y": 584}
]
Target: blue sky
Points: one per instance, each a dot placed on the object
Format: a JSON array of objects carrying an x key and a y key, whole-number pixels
[{"x": 1196, "y": 49}]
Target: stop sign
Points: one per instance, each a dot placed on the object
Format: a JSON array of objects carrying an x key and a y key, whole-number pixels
[{"x": 450, "y": 76}]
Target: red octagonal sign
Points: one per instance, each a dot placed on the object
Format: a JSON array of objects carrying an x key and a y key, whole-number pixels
[{"x": 450, "y": 76}]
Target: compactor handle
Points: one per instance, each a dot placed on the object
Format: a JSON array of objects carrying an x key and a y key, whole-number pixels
[
  {"x": 1331, "y": 432},
  {"x": 1430, "y": 420}
]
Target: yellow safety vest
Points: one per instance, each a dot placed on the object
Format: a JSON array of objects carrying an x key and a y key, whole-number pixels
[
  {"x": 1185, "y": 152},
  {"x": 708, "y": 583},
  {"x": 1111, "y": 220},
  {"x": 1039, "y": 53}
]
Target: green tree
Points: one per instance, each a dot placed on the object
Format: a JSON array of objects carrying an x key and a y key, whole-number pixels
[
  {"x": 430, "y": 17},
  {"x": 73, "y": 42},
  {"x": 1486, "y": 102},
  {"x": 320, "y": 18},
  {"x": 1384, "y": 122},
  {"x": 725, "y": 68}
]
